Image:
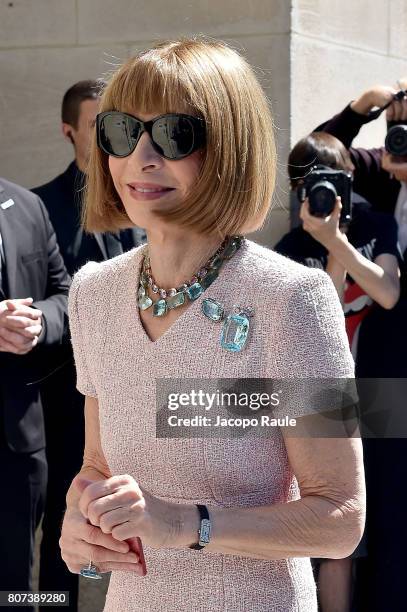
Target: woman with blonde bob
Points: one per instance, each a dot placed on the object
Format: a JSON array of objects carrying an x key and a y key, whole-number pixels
[{"x": 184, "y": 148}]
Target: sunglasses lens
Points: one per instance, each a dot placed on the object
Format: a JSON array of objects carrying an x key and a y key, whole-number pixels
[
  {"x": 174, "y": 136},
  {"x": 118, "y": 134}
]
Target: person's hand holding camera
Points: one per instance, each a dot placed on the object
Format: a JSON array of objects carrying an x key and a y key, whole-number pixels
[
  {"x": 379, "y": 96},
  {"x": 325, "y": 230}
]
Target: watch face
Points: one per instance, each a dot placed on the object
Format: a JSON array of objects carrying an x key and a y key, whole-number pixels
[{"x": 204, "y": 532}]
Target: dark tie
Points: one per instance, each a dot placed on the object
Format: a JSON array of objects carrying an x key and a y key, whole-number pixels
[{"x": 113, "y": 244}]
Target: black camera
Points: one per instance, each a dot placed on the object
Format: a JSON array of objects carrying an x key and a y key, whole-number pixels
[
  {"x": 321, "y": 186},
  {"x": 396, "y": 140}
]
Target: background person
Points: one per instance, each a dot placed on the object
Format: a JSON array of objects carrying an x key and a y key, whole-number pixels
[
  {"x": 363, "y": 265},
  {"x": 65, "y": 425},
  {"x": 379, "y": 176},
  {"x": 33, "y": 317},
  {"x": 362, "y": 257},
  {"x": 382, "y": 179},
  {"x": 192, "y": 182},
  {"x": 63, "y": 195}
]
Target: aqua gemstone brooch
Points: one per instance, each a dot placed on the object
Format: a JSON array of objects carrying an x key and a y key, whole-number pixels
[{"x": 236, "y": 326}]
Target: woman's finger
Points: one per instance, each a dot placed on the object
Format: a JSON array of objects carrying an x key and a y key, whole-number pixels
[
  {"x": 135, "y": 568},
  {"x": 122, "y": 498},
  {"x": 124, "y": 531},
  {"x": 99, "y": 554},
  {"x": 102, "y": 488},
  {"x": 103, "y": 568},
  {"x": 93, "y": 535},
  {"x": 112, "y": 519}
]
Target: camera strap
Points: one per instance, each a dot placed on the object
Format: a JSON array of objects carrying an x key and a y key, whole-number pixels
[{"x": 374, "y": 114}]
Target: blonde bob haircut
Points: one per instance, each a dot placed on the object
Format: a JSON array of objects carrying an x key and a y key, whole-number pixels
[{"x": 207, "y": 79}]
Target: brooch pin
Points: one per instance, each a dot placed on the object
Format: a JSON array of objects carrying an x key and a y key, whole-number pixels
[{"x": 236, "y": 326}]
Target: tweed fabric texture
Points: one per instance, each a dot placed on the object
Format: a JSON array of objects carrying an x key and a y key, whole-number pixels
[{"x": 297, "y": 330}]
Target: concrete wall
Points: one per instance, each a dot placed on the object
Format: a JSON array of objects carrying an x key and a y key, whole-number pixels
[
  {"x": 339, "y": 49},
  {"x": 47, "y": 45},
  {"x": 312, "y": 57}
]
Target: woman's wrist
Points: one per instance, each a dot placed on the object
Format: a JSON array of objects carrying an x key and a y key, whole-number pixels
[
  {"x": 338, "y": 244},
  {"x": 186, "y": 525}
]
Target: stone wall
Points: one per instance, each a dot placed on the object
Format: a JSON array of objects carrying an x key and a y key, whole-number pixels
[
  {"x": 312, "y": 57},
  {"x": 47, "y": 45}
]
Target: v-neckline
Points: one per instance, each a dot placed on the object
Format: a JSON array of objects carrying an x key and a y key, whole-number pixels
[{"x": 139, "y": 327}]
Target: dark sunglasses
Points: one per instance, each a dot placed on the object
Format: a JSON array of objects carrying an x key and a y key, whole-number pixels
[{"x": 173, "y": 136}]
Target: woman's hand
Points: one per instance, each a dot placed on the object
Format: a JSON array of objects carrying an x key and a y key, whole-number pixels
[
  {"x": 325, "y": 230},
  {"x": 120, "y": 508},
  {"x": 81, "y": 542}
]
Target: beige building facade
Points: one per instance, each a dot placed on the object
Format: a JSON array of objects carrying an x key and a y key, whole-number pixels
[{"x": 312, "y": 57}]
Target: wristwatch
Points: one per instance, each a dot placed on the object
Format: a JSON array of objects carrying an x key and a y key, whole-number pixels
[{"x": 204, "y": 530}]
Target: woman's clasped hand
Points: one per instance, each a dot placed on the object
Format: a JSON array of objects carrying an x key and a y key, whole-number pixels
[
  {"x": 121, "y": 508},
  {"x": 83, "y": 540},
  {"x": 111, "y": 514}
]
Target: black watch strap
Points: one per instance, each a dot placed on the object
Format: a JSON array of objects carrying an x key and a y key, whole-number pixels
[{"x": 204, "y": 530}]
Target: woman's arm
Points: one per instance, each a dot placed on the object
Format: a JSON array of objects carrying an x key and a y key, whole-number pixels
[
  {"x": 338, "y": 275},
  {"x": 80, "y": 540},
  {"x": 94, "y": 466},
  {"x": 327, "y": 521},
  {"x": 380, "y": 279}
]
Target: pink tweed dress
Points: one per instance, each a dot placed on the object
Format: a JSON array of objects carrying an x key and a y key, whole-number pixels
[{"x": 297, "y": 330}]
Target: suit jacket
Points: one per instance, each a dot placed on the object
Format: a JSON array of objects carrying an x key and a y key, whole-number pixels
[
  {"x": 34, "y": 268},
  {"x": 62, "y": 197},
  {"x": 370, "y": 180}
]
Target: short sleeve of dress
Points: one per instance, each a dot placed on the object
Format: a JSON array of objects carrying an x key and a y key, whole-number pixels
[
  {"x": 76, "y": 308},
  {"x": 316, "y": 346}
]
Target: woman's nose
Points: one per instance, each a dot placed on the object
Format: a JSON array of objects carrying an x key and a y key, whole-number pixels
[{"x": 144, "y": 155}]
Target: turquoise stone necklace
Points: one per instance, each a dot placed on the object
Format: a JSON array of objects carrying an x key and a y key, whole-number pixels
[{"x": 169, "y": 299}]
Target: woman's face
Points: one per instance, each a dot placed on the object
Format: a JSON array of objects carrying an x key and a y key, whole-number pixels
[{"x": 147, "y": 182}]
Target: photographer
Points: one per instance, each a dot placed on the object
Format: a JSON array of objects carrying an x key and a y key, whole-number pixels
[
  {"x": 358, "y": 249},
  {"x": 381, "y": 177},
  {"x": 360, "y": 253}
]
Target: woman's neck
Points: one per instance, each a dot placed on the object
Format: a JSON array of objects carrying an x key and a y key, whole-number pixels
[{"x": 175, "y": 258}]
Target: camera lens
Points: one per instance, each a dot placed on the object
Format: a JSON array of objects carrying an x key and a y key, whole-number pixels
[
  {"x": 322, "y": 198},
  {"x": 396, "y": 140}
]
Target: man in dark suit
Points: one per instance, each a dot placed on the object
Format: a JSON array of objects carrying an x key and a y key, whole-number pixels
[
  {"x": 65, "y": 426},
  {"x": 34, "y": 287}
]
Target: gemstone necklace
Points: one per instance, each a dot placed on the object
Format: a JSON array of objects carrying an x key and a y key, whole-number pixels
[{"x": 169, "y": 299}]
